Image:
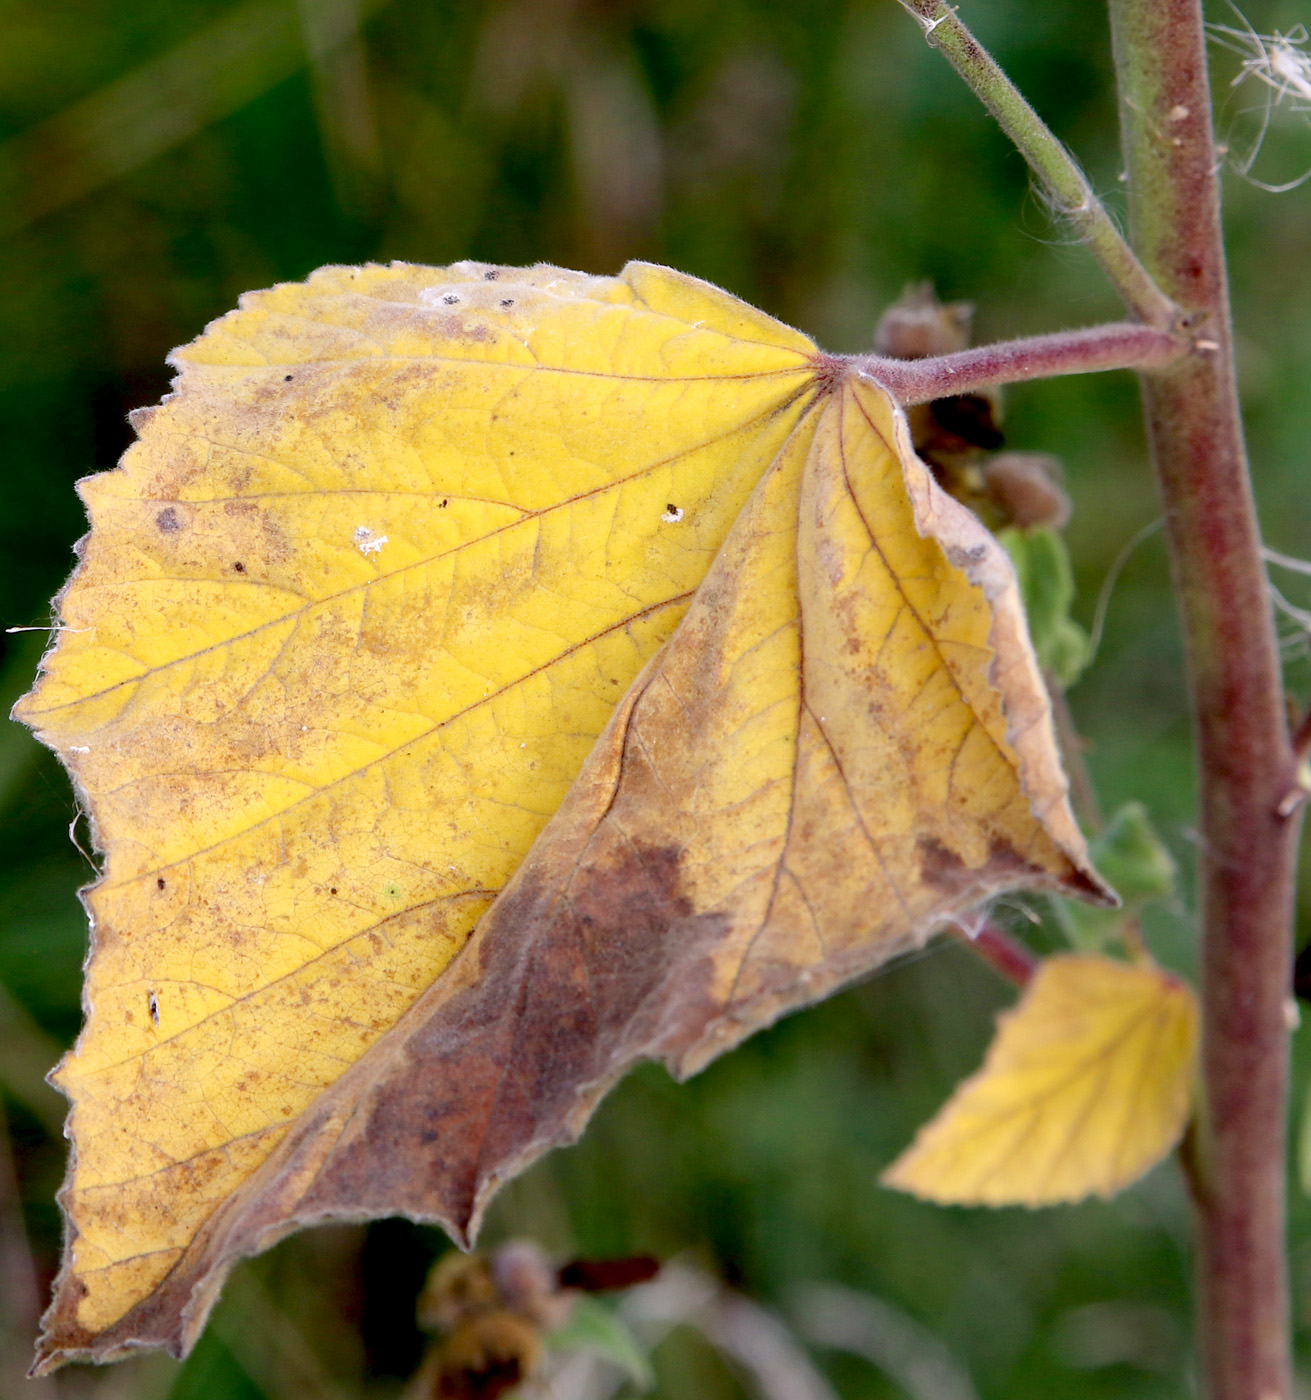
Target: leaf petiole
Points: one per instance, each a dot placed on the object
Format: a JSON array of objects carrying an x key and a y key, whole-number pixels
[
  {"x": 1003, "y": 953},
  {"x": 1116, "y": 345}
]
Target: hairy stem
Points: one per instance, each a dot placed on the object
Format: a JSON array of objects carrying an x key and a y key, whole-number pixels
[
  {"x": 1245, "y": 757},
  {"x": 1059, "y": 172},
  {"x": 1120, "y": 345}
]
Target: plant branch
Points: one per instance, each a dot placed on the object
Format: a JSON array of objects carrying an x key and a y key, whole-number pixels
[
  {"x": 1119, "y": 345},
  {"x": 999, "y": 950},
  {"x": 1065, "y": 183},
  {"x": 1245, "y": 756}
]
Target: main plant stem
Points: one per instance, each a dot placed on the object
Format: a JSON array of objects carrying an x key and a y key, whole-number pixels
[
  {"x": 1173, "y": 277},
  {"x": 1245, "y": 757}
]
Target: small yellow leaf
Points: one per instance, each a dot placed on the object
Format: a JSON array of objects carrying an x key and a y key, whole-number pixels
[{"x": 1087, "y": 1085}]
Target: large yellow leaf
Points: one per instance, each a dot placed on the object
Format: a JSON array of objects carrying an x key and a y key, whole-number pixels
[
  {"x": 410, "y": 552},
  {"x": 1087, "y": 1085}
]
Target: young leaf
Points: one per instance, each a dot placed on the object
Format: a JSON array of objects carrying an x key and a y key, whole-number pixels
[
  {"x": 1134, "y": 860},
  {"x": 595, "y": 1328},
  {"x": 409, "y": 552},
  {"x": 1042, "y": 563},
  {"x": 1087, "y": 1085}
]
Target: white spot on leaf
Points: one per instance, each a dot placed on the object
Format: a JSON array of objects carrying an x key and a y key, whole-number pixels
[
  {"x": 672, "y": 514},
  {"x": 367, "y": 542}
]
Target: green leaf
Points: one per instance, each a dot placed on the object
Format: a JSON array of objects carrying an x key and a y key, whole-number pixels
[
  {"x": 595, "y": 1328},
  {"x": 1132, "y": 857},
  {"x": 1135, "y": 861},
  {"x": 1042, "y": 563}
]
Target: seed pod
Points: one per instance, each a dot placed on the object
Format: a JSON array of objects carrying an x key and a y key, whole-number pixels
[
  {"x": 1025, "y": 487},
  {"x": 487, "y": 1356},
  {"x": 528, "y": 1283},
  {"x": 919, "y": 325},
  {"x": 459, "y": 1286}
]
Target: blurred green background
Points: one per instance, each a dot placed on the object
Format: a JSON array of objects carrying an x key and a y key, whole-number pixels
[{"x": 159, "y": 157}]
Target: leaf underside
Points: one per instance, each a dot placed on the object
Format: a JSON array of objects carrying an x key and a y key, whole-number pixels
[{"x": 480, "y": 680}]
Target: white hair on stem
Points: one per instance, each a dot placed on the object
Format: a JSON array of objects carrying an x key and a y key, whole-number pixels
[
  {"x": 1295, "y": 622},
  {"x": 1281, "y": 64},
  {"x": 1286, "y": 561}
]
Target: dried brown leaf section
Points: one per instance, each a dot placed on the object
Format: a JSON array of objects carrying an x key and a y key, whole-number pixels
[{"x": 838, "y": 740}]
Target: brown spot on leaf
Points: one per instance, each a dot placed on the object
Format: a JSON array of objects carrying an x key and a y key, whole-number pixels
[
  {"x": 562, "y": 995},
  {"x": 459, "y": 330},
  {"x": 167, "y": 521},
  {"x": 1005, "y": 860},
  {"x": 942, "y": 868}
]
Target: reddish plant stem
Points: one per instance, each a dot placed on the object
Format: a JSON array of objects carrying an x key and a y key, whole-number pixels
[
  {"x": 1000, "y": 951},
  {"x": 1245, "y": 757},
  {"x": 1119, "y": 345}
]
